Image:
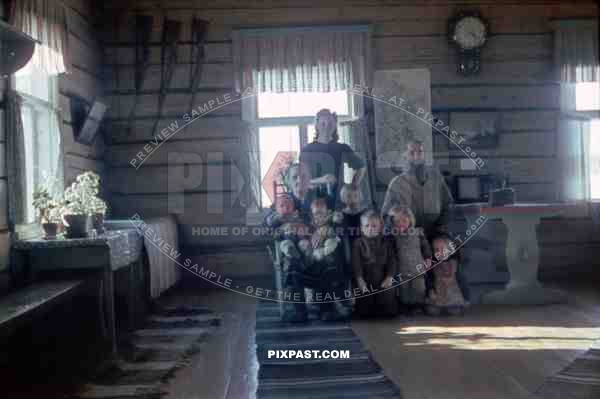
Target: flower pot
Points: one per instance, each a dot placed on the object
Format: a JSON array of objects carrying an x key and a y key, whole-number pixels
[
  {"x": 50, "y": 230},
  {"x": 77, "y": 225},
  {"x": 98, "y": 222}
]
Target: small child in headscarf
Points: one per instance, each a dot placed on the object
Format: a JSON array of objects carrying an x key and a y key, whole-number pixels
[
  {"x": 413, "y": 256},
  {"x": 446, "y": 295}
]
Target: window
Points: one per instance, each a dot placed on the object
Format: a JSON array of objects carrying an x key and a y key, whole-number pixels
[
  {"x": 593, "y": 160},
  {"x": 286, "y": 124},
  {"x": 587, "y": 96},
  {"x": 41, "y": 133},
  {"x": 273, "y": 105}
]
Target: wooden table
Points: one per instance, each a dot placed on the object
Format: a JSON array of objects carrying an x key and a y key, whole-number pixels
[
  {"x": 522, "y": 252},
  {"x": 104, "y": 255}
]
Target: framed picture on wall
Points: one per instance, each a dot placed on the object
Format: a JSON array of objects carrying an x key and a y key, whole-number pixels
[
  {"x": 394, "y": 128},
  {"x": 479, "y": 129}
]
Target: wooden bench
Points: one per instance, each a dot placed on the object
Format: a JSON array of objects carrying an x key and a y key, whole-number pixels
[{"x": 21, "y": 306}]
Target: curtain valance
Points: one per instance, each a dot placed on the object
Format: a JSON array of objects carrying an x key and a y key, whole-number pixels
[
  {"x": 301, "y": 59},
  {"x": 45, "y": 21},
  {"x": 576, "y": 50}
]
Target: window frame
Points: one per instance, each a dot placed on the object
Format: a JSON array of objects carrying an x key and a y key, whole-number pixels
[
  {"x": 31, "y": 230},
  {"x": 584, "y": 115}
]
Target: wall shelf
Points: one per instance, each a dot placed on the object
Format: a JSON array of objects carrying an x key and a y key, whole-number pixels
[{"x": 16, "y": 49}]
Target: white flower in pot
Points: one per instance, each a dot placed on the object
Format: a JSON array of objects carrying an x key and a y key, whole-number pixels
[
  {"x": 97, "y": 209},
  {"x": 78, "y": 198},
  {"x": 48, "y": 209}
]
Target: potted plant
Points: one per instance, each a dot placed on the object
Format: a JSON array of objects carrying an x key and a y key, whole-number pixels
[
  {"x": 49, "y": 211},
  {"x": 78, "y": 197},
  {"x": 97, "y": 209}
]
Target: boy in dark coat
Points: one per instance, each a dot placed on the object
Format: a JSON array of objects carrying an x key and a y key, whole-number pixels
[{"x": 374, "y": 267}]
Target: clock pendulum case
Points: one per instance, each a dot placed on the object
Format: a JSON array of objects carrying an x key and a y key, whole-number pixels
[{"x": 468, "y": 31}]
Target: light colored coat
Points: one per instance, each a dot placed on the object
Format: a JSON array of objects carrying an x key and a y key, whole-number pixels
[{"x": 430, "y": 201}]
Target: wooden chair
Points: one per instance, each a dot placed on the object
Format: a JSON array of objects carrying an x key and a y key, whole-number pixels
[{"x": 273, "y": 249}]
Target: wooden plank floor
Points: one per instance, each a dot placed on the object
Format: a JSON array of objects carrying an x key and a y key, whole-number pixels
[
  {"x": 226, "y": 367},
  {"x": 492, "y": 352}
]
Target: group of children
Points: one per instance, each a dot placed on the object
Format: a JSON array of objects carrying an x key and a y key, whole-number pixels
[
  {"x": 390, "y": 263},
  {"x": 414, "y": 273}
]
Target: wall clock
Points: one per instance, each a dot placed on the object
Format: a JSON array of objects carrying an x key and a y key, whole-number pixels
[{"x": 468, "y": 31}]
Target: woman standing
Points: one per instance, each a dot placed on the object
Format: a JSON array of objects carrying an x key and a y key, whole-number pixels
[{"x": 324, "y": 157}]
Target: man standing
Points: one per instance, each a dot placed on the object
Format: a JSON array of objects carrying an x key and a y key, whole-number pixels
[{"x": 421, "y": 188}]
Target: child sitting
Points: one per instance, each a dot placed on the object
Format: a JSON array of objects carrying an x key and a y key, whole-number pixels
[
  {"x": 352, "y": 210},
  {"x": 288, "y": 227},
  {"x": 324, "y": 264},
  {"x": 289, "y": 235},
  {"x": 350, "y": 225},
  {"x": 374, "y": 269},
  {"x": 445, "y": 295},
  {"x": 413, "y": 256}
]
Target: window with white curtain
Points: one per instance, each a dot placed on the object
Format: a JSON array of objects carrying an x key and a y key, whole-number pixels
[
  {"x": 295, "y": 72},
  {"x": 578, "y": 71},
  {"x": 587, "y": 98},
  {"x": 38, "y": 90}
]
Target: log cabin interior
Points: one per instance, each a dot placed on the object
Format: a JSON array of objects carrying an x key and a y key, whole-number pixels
[{"x": 145, "y": 147}]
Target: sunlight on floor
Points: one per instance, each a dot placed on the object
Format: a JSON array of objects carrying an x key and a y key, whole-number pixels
[{"x": 501, "y": 338}]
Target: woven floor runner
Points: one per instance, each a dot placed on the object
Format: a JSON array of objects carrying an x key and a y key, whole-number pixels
[{"x": 294, "y": 378}]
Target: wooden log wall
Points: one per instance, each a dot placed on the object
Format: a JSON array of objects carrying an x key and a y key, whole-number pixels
[
  {"x": 83, "y": 81},
  {"x": 516, "y": 83}
]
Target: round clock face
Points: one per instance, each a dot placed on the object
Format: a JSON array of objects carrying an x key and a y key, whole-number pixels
[{"x": 470, "y": 33}]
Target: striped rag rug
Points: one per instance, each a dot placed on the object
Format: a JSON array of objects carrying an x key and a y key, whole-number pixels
[
  {"x": 152, "y": 354},
  {"x": 295, "y": 378},
  {"x": 579, "y": 380}
]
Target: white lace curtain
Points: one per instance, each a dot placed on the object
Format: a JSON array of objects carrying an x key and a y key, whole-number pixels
[
  {"x": 300, "y": 59},
  {"x": 16, "y": 164},
  {"x": 576, "y": 61},
  {"x": 45, "y": 21},
  {"x": 33, "y": 133},
  {"x": 576, "y": 50}
]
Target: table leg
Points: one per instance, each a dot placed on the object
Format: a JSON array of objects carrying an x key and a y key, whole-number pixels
[
  {"x": 522, "y": 258},
  {"x": 132, "y": 296},
  {"x": 109, "y": 309},
  {"x": 101, "y": 312}
]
